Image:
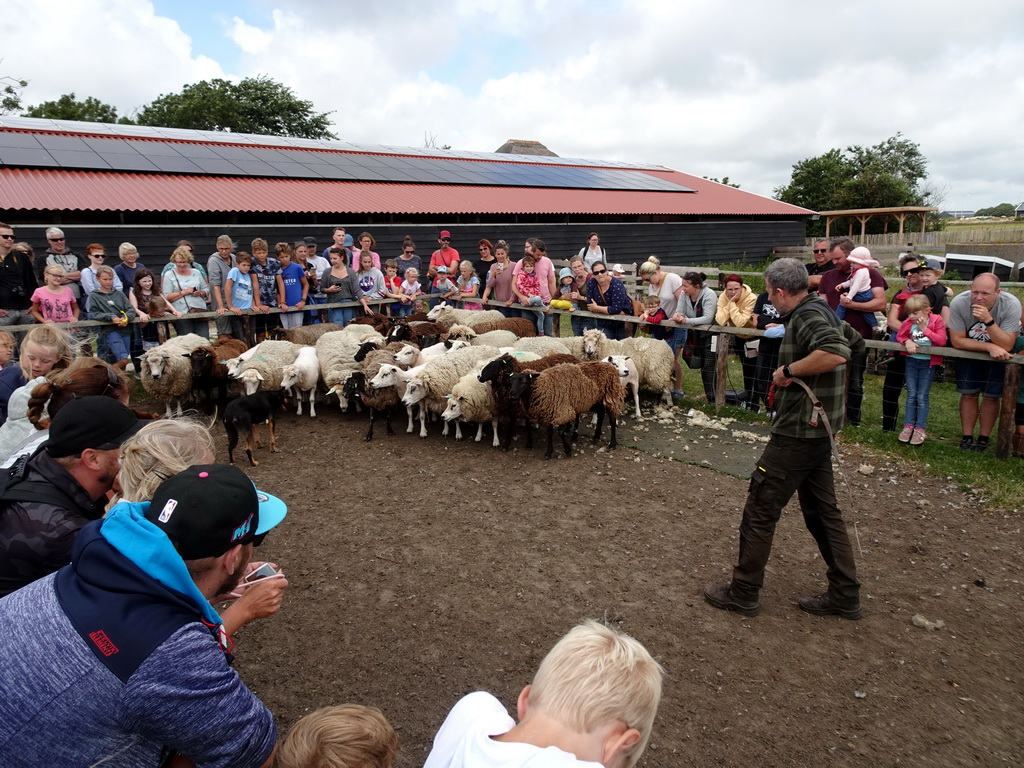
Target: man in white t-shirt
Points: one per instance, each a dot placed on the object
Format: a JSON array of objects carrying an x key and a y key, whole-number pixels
[{"x": 591, "y": 704}]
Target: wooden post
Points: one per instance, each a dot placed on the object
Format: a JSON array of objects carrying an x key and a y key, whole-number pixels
[
  {"x": 161, "y": 332},
  {"x": 721, "y": 368},
  {"x": 1008, "y": 408}
]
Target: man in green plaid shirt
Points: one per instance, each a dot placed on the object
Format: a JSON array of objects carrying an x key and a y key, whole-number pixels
[{"x": 798, "y": 457}]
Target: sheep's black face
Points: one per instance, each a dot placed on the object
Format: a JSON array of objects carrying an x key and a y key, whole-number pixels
[
  {"x": 365, "y": 349},
  {"x": 400, "y": 332},
  {"x": 492, "y": 369},
  {"x": 520, "y": 383},
  {"x": 354, "y": 386}
]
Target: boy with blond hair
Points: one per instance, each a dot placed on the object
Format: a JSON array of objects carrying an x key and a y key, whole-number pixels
[
  {"x": 345, "y": 736},
  {"x": 591, "y": 703}
]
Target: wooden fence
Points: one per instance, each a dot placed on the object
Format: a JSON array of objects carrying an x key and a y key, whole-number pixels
[{"x": 940, "y": 239}]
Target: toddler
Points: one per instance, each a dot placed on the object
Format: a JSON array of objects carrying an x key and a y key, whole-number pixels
[
  {"x": 593, "y": 700},
  {"x": 859, "y": 284},
  {"x": 653, "y": 311},
  {"x": 919, "y": 331},
  {"x": 392, "y": 285},
  {"x": 347, "y": 736},
  {"x": 444, "y": 285},
  {"x": 54, "y": 302},
  {"x": 566, "y": 285},
  {"x": 407, "y": 292},
  {"x": 7, "y": 343},
  {"x": 527, "y": 290}
]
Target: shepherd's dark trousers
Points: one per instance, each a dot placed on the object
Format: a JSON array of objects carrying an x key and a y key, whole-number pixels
[{"x": 791, "y": 465}]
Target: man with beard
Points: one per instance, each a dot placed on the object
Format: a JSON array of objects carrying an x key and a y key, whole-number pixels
[
  {"x": 58, "y": 254},
  {"x": 119, "y": 658},
  {"x": 62, "y": 486}
]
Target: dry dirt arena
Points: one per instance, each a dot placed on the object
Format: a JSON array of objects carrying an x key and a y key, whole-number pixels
[{"x": 421, "y": 570}]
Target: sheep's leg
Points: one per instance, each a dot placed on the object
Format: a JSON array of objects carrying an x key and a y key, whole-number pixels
[
  {"x": 387, "y": 421},
  {"x": 666, "y": 398},
  {"x": 369, "y": 432},
  {"x": 479, "y": 431},
  {"x": 509, "y": 429},
  {"x": 614, "y": 443},
  {"x": 410, "y": 409},
  {"x": 444, "y": 430},
  {"x": 312, "y": 403},
  {"x": 169, "y": 412},
  {"x": 495, "y": 442},
  {"x": 599, "y": 412},
  {"x": 551, "y": 442},
  {"x": 636, "y": 399},
  {"x": 423, "y": 420},
  {"x": 458, "y": 429},
  {"x": 298, "y": 400},
  {"x": 567, "y": 441},
  {"x": 179, "y": 407}
]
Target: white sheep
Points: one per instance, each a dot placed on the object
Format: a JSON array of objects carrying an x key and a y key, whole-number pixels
[
  {"x": 235, "y": 364},
  {"x": 303, "y": 374},
  {"x": 393, "y": 376},
  {"x": 448, "y": 316},
  {"x": 167, "y": 373},
  {"x": 655, "y": 364},
  {"x": 264, "y": 370},
  {"x": 597, "y": 346},
  {"x": 630, "y": 378},
  {"x": 495, "y": 338},
  {"x": 471, "y": 400},
  {"x": 411, "y": 356},
  {"x": 336, "y": 352},
  {"x": 542, "y": 345},
  {"x": 434, "y": 383}
]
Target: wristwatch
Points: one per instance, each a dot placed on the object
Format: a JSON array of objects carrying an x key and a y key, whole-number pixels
[
  {"x": 990, "y": 323},
  {"x": 786, "y": 372}
]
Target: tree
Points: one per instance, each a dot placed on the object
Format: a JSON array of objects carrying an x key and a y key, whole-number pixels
[
  {"x": 255, "y": 105},
  {"x": 67, "y": 107},
  {"x": 887, "y": 175},
  {"x": 1003, "y": 209},
  {"x": 723, "y": 180},
  {"x": 10, "y": 94}
]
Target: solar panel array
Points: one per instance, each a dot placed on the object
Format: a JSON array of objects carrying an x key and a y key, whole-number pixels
[{"x": 132, "y": 149}]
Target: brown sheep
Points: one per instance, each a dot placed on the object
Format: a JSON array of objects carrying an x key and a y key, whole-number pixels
[
  {"x": 304, "y": 335},
  {"x": 520, "y": 326},
  {"x": 208, "y": 368}
]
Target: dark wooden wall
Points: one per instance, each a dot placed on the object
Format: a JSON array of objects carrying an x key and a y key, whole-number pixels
[{"x": 675, "y": 243}]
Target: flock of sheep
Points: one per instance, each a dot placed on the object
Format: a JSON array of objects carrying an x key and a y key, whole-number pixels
[{"x": 464, "y": 366}]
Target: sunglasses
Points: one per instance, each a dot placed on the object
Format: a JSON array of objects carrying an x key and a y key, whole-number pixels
[
  {"x": 912, "y": 270},
  {"x": 7, "y": 237},
  {"x": 98, "y": 255},
  {"x": 55, "y": 239},
  {"x": 600, "y": 271},
  {"x": 821, "y": 250},
  {"x": 410, "y": 251},
  {"x": 446, "y": 239},
  {"x": 483, "y": 249}
]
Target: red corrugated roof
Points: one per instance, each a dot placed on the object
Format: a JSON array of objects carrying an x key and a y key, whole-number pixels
[{"x": 30, "y": 189}]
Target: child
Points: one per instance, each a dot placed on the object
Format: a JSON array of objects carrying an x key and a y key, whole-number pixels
[
  {"x": 6, "y": 349},
  {"x": 241, "y": 292},
  {"x": 143, "y": 298},
  {"x": 566, "y": 281},
  {"x": 469, "y": 285},
  {"x": 54, "y": 302},
  {"x": 527, "y": 290},
  {"x": 45, "y": 348},
  {"x": 593, "y": 700},
  {"x": 407, "y": 292},
  {"x": 392, "y": 285},
  {"x": 444, "y": 286},
  {"x": 347, "y": 736},
  {"x": 653, "y": 311},
  {"x": 921, "y": 329},
  {"x": 859, "y": 284},
  {"x": 111, "y": 306}
]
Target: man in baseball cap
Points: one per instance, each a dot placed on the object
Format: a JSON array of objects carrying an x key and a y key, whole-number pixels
[
  {"x": 51, "y": 494},
  {"x": 121, "y": 652}
]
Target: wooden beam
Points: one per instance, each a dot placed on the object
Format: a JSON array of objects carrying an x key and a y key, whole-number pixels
[
  {"x": 721, "y": 368},
  {"x": 901, "y": 217}
]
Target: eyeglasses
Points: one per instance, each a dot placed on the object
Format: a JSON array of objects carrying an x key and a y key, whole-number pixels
[
  {"x": 7, "y": 237},
  {"x": 821, "y": 250},
  {"x": 600, "y": 271},
  {"x": 55, "y": 239}
]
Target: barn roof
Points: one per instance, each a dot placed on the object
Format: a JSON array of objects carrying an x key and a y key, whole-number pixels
[{"x": 66, "y": 165}]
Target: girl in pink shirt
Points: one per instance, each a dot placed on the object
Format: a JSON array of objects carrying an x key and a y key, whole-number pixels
[{"x": 53, "y": 302}]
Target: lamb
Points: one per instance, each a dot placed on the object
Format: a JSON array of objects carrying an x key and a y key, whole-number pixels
[
  {"x": 448, "y": 316},
  {"x": 304, "y": 334},
  {"x": 421, "y": 334},
  {"x": 358, "y": 388},
  {"x": 303, "y": 374},
  {"x": 471, "y": 400},
  {"x": 556, "y": 396},
  {"x": 435, "y": 381},
  {"x": 264, "y": 369},
  {"x": 497, "y": 373},
  {"x": 542, "y": 345},
  {"x": 520, "y": 326},
  {"x": 630, "y": 378},
  {"x": 497, "y": 338},
  {"x": 655, "y": 363},
  {"x": 390, "y": 375},
  {"x": 597, "y": 346},
  {"x": 336, "y": 352},
  {"x": 209, "y": 367},
  {"x": 166, "y": 373}
]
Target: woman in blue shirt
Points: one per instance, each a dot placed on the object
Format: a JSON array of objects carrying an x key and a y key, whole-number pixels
[{"x": 607, "y": 295}]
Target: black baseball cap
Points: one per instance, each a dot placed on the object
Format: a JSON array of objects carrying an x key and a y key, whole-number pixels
[
  {"x": 309, "y": 240},
  {"x": 209, "y": 508},
  {"x": 98, "y": 422}
]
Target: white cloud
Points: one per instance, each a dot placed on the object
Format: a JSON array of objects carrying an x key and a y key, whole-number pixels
[{"x": 716, "y": 88}]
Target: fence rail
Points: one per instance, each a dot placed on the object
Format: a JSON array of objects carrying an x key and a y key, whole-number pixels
[{"x": 937, "y": 239}]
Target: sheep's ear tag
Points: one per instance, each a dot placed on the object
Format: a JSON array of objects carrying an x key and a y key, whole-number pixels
[
  {"x": 331, "y": 390},
  {"x": 448, "y": 396}
]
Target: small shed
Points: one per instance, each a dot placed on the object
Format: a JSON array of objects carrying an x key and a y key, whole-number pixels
[{"x": 970, "y": 267}]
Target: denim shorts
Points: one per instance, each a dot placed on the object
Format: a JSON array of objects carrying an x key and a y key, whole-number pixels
[{"x": 984, "y": 376}]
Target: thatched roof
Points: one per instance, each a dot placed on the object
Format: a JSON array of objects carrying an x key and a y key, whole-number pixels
[{"x": 524, "y": 147}]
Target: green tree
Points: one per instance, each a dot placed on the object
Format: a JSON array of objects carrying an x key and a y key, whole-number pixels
[
  {"x": 1003, "y": 209},
  {"x": 68, "y": 107},
  {"x": 10, "y": 94},
  {"x": 723, "y": 180},
  {"x": 817, "y": 182},
  {"x": 255, "y": 105}
]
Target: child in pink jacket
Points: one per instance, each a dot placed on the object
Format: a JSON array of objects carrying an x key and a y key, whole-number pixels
[{"x": 920, "y": 330}]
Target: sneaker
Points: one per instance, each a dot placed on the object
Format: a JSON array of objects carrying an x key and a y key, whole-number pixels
[
  {"x": 906, "y": 434},
  {"x": 721, "y": 596},
  {"x": 919, "y": 437},
  {"x": 967, "y": 443},
  {"x": 825, "y": 605},
  {"x": 980, "y": 447}
]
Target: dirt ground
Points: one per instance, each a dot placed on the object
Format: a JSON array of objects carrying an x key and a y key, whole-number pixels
[{"x": 421, "y": 570}]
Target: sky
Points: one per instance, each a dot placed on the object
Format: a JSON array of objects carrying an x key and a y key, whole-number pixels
[{"x": 716, "y": 88}]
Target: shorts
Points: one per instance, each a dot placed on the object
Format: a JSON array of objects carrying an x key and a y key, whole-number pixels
[
  {"x": 1018, "y": 417},
  {"x": 984, "y": 376}
]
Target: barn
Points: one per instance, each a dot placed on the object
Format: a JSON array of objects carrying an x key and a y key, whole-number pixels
[{"x": 153, "y": 186}]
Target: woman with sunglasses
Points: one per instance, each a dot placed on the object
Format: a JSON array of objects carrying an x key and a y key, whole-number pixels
[
  {"x": 408, "y": 259},
  {"x": 895, "y": 371},
  {"x": 606, "y": 295},
  {"x": 482, "y": 264}
]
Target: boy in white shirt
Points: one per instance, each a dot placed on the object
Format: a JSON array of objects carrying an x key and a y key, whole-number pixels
[{"x": 591, "y": 704}]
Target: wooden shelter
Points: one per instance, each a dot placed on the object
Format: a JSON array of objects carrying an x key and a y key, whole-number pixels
[{"x": 864, "y": 215}]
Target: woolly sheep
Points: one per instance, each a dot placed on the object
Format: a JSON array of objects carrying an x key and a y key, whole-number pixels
[
  {"x": 655, "y": 364},
  {"x": 542, "y": 345},
  {"x": 490, "y": 339},
  {"x": 520, "y": 326},
  {"x": 208, "y": 365},
  {"x": 556, "y": 396},
  {"x": 305, "y": 334},
  {"x": 235, "y": 364},
  {"x": 167, "y": 373},
  {"x": 448, "y": 316},
  {"x": 630, "y": 378},
  {"x": 264, "y": 369},
  {"x": 597, "y": 346},
  {"x": 303, "y": 374},
  {"x": 434, "y": 383},
  {"x": 336, "y": 352},
  {"x": 410, "y": 355},
  {"x": 419, "y": 333},
  {"x": 376, "y": 399},
  {"x": 471, "y": 400}
]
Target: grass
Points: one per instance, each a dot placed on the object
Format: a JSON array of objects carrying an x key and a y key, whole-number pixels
[{"x": 997, "y": 482}]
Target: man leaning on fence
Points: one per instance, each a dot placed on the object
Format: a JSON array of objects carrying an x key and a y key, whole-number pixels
[{"x": 798, "y": 457}]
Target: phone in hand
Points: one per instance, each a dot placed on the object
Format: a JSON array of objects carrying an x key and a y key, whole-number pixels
[{"x": 264, "y": 571}]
